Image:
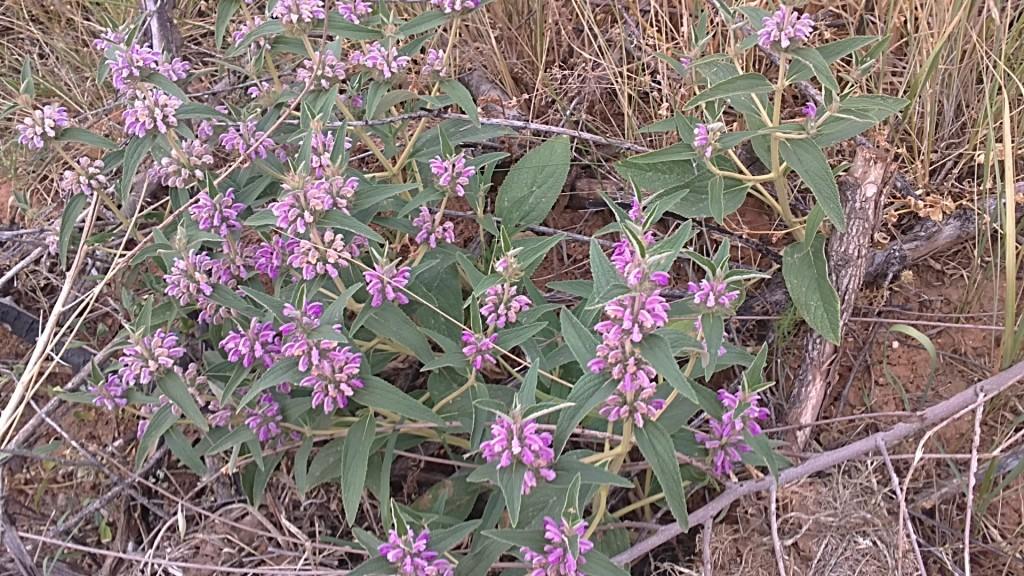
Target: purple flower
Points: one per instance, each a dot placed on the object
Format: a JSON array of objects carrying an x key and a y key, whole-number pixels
[
  {"x": 295, "y": 11},
  {"x": 725, "y": 442},
  {"x": 702, "y": 141},
  {"x": 712, "y": 294},
  {"x": 785, "y": 27},
  {"x": 478, "y": 349},
  {"x": 304, "y": 202},
  {"x": 247, "y": 140},
  {"x": 299, "y": 341},
  {"x": 129, "y": 64},
  {"x": 323, "y": 70},
  {"x": 514, "y": 440},
  {"x": 410, "y": 556},
  {"x": 152, "y": 109},
  {"x": 146, "y": 359},
  {"x": 265, "y": 419},
  {"x": 322, "y": 146},
  {"x": 218, "y": 214},
  {"x": 452, "y": 174},
  {"x": 433, "y": 63},
  {"x": 219, "y": 415},
  {"x": 244, "y": 28},
  {"x": 42, "y": 125},
  {"x": 810, "y": 110},
  {"x": 335, "y": 379},
  {"x": 107, "y": 39},
  {"x": 175, "y": 70},
  {"x": 559, "y": 557},
  {"x": 502, "y": 306},
  {"x": 632, "y": 267},
  {"x": 258, "y": 89},
  {"x": 376, "y": 57},
  {"x": 431, "y": 232},
  {"x": 385, "y": 282},
  {"x": 352, "y": 10},
  {"x": 450, "y": 6},
  {"x": 269, "y": 257},
  {"x": 256, "y": 343},
  {"x": 184, "y": 166},
  {"x": 87, "y": 178},
  {"x": 190, "y": 278},
  {"x": 111, "y": 393},
  {"x": 312, "y": 260}
]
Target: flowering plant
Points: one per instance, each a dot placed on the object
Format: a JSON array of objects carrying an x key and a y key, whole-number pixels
[{"x": 305, "y": 253}]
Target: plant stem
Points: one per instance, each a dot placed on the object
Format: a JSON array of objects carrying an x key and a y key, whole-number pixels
[
  {"x": 616, "y": 465},
  {"x": 781, "y": 184}
]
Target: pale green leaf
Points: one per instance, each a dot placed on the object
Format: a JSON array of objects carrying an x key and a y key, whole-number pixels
[
  {"x": 533, "y": 184},
  {"x": 805, "y": 270},
  {"x": 810, "y": 163}
]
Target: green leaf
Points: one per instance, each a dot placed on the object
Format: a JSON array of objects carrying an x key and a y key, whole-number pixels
[
  {"x": 326, "y": 465},
  {"x": 461, "y": 96},
  {"x": 580, "y": 341},
  {"x": 67, "y": 225},
  {"x": 830, "y": 53},
  {"x": 389, "y": 321},
  {"x": 423, "y": 22},
  {"x": 856, "y": 114},
  {"x": 810, "y": 163},
  {"x": 286, "y": 370},
  {"x": 805, "y": 270},
  {"x": 338, "y": 26},
  {"x": 716, "y": 198},
  {"x": 657, "y": 447},
  {"x": 600, "y": 565},
  {"x": 443, "y": 540},
  {"x": 588, "y": 473},
  {"x": 225, "y": 10},
  {"x": 261, "y": 477},
  {"x": 819, "y": 66},
  {"x": 338, "y": 219},
  {"x": 354, "y": 458},
  {"x": 223, "y": 439},
  {"x": 377, "y": 393},
  {"x": 525, "y": 538},
  {"x": 656, "y": 350},
  {"x": 182, "y": 448},
  {"x": 510, "y": 480},
  {"x": 134, "y": 152},
  {"x": 158, "y": 424},
  {"x": 741, "y": 85},
  {"x": 83, "y": 136},
  {"x": 533, "y": 184},
  {"x": 177, "y": 391},
  {"x": 373, "y": 566},
  {"x": 28, "y": 86},
  {"x": 301, "y": 466},
  {"x": 588, "y": 393}
]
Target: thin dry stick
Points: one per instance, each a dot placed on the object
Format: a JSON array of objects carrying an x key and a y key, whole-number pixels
[
  {"x": 773, "y": 517},
  {"x": 971, "y": 480},
  {"x": 706, "y": 545},
  {"x": 826, "y": 460},
  {"x": 25, "y": 263},
  {"x": 904, "y": 518}
]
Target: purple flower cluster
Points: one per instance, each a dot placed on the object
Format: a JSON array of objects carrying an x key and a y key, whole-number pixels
[
  {"x": 515, "y": 440},
  {"x": 323, "y": 70},
  {"x": 311, "y": 260},
  {"x": 430, "y": 232},
  {"x": 712, "y": 294},
  {"x": 322, "y": 146},
  {"x": 502, "y": 305},
  {"x": 269, "y": 257},
  {"x": 702, "y": 140},
  {"x": 433, "y": 63},
  {"x": 303, "y": 203},
  {"x": 450, "y": 6},
  {"x": 111, "y": 393},
  {"x": 452, "y": 174},
  {"x": 129, "y": 64},
  {"x": 558, "y": 557},
  {"x": 295, "y": 11},
  {"x": 627, "y": 319},
  {"x": 107, "y": 39},
  {"x": 335, "y": 379},
  {"x": 409, "y": 555},
  {"x": 265, "y": 418},
  {"x": 247, "y": 140},
  {"x": 784, "y": 27},
  {"x": 810, "y": 110},
  {"x": 386, "y": 282},
  {"x": 478, "y": 348},
  {"x": 376, "y": 57},
  {"x": 354, "y": 10},
  {"x": 258, "y": 342},
  {"x": 298, "y": 338},
  {"x": 42, "y": 125},
  {"x": 86, "y": 178},
  {"x": 184, "y": 166},
  {"x": 190, "y": 278},
  {"x": 151, "y": 109},
  {"x": 244, "y": 28},
  {"x": 146, "y": 359},
  {"x": 218, "y": 214},
  {"x": 725, "y": 442}
]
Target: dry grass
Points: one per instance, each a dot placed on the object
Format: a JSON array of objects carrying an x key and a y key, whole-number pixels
[{"x": 591, "y": 64}]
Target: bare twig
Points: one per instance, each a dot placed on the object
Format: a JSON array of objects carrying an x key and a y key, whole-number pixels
[
  {"x": 904, "y": 518},
  {"x": 971, "y": 479},
  {"x": 706, "y": 546},
  {"x": 773, "y": 516},
  {"x": 826, "y": 460},
  {"x": 15, "y": 548},
  {"x": 25, "y": 263}
]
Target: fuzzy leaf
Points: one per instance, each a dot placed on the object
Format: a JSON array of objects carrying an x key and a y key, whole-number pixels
[
  {"x": 658, "y": 449},
  {"x": 805, "y": 270},
  {"x": 533, "y": 184},
  {"x": 354, "y": 459},
  {"x": 810, "y": 163},
  {"x": 377, "y": 393},
  {"x": 741, "y": 85}
]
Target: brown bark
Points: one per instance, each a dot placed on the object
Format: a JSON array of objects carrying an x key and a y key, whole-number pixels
[{"x": 848, "y": 254}]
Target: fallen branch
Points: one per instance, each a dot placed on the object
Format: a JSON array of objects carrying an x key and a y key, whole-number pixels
[{"x": 950, "y": 407}]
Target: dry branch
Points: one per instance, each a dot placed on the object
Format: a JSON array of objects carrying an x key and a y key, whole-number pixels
[
  {"x": 937, "y": 413},
  {"x": 847, "y": 255}
]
